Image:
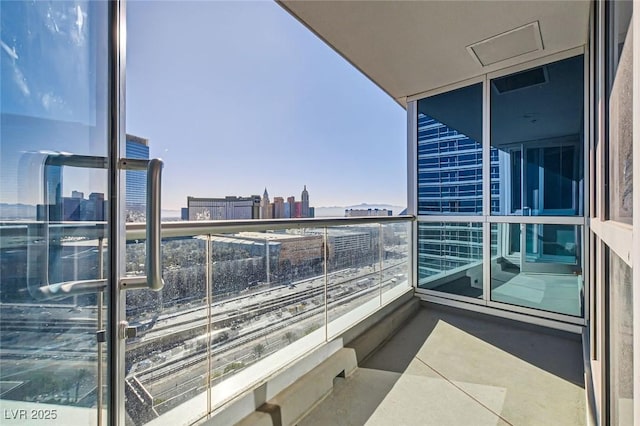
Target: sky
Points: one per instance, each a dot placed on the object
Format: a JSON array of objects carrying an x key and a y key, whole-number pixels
[{"x": 239, "y": 96}]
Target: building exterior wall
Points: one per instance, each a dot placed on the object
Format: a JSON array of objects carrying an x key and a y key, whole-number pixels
[
  {"x": 278, "y": 208},
  {"x": 228, "y": 208}
]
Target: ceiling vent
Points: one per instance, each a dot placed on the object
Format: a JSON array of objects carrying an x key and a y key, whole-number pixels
[
  {"x": 520, "y": 80},
  {"x": 516, "y": 42}
]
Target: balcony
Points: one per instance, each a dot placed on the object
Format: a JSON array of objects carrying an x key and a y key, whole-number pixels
[
  {"x": 251, "y": 310},
  {"x": 241, "y": 302}
]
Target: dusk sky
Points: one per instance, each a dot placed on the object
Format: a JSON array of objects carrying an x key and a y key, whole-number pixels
[{"x": 236, "y": 96}]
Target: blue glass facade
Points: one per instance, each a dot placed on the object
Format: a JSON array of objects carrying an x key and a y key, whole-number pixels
[
  {"x": 450, "y": 153},
  {"x": 449, "y": 170},
  {"x": 136, "y": 180}
]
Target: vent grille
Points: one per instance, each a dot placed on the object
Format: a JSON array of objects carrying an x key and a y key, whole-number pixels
[
  {"x": 516, "y": 42},
  {"x": 520, "y": 80}
]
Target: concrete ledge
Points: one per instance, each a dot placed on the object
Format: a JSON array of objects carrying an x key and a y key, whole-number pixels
[
  {"x": 367, "y": 324},
  {"x": 293, "y": 403},
  {"x": 380, "y": 332}
]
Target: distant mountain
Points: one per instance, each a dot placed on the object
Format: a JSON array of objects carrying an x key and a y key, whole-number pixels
[
  {"x": 338, "y": 211},
  {"x": 170, "y": 214}
]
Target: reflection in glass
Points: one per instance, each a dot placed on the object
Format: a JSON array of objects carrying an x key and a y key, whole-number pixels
[
  {"x": 537, "y": 134},
  {"x": 53, "y": 100},
  {"x": 396, "y": 240},
  {"x": 354, "y": 274},
  {"x": 450, "y": 152},
  {"x": 546, "y": 276},
  {"x": 450, "y": 258},
  {"x": 172, "y": 327},
  {"x": 621, "y": 340}
]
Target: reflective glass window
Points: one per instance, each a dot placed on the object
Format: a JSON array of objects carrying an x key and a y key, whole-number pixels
[
  {"x": 450, "y": 152},
  {"x": 537, "y": 137}
]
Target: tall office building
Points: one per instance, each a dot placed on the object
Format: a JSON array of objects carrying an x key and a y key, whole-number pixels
[
  {"x": 305, "y": 202},
  {"x": 291, "y": 201},
  {"x": 77, "y": 208},
  {"x": 278, "y": 208},
  {"x": 297, "y": 209},
  {"x": 53, "y": 208},
  {"x": 136, "y": 187}
]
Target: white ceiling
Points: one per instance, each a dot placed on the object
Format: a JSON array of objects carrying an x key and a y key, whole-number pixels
[{"x": 409, "y": 47}]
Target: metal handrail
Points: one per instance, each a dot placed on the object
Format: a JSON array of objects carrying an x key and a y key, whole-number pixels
[{"x": 137, "y": 231}]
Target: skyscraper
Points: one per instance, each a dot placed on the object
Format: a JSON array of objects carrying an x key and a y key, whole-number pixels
[
  {"x": 278, "y": 208},
  {"x": 265, "y": 206},
  {"x": 136, "y": 187},
  {"x": 305, "y": 202}
]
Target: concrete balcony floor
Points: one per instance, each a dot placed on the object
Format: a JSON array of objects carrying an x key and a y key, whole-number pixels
[{"x": 451, "y": 367}]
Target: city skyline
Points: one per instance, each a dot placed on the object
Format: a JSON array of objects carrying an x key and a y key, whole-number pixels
[{"x": 253, "y": 206}]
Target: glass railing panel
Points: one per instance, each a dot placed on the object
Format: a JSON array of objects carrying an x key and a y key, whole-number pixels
[
  {"x": 268, "y": 301},
  {"x": 238, "y": 306},
  {"x": 167, "y": 362},
  {"x": 396, "y": 257},
  {"x": 51, "y": 364},
  {"x": 354, "y": 270},
  {"x": 450, "y": 257},
  {"x": 537, "y": 266}
]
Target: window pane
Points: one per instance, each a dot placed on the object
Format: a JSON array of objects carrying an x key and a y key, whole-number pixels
[
  {"x": 547, "y": 276},
  {"x": 450, "y": 152},
  {"x": 537, "y": 137},
  {"x": 450, "y": 258},
  {"x": 54, "y": 85}
]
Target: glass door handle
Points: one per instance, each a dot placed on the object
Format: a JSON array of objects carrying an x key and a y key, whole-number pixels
[
  {"x": 153, "y": 280},
  {"x": 38, "y": 235},
  {"x": 42, "y": 164}
]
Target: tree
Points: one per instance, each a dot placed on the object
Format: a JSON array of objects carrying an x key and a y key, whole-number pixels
[
  {"x": 258, "y": 350},
  {"x": 311, "y": 328},
  {"x": 289, "y": 336}
]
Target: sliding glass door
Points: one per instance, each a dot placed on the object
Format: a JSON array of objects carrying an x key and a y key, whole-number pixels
[
  {"x": 54, "y": 212},
  {"x": 500, "y": 190}
]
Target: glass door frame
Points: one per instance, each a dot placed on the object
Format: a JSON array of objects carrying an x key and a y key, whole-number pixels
[
  {"x": 562, "y": 321},
  {"x": 116, "y": 323}
]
